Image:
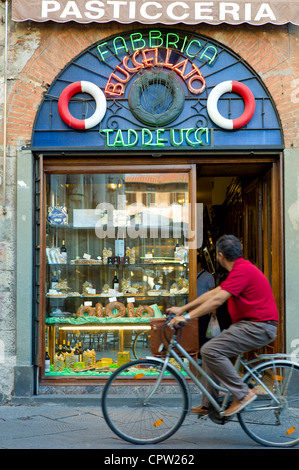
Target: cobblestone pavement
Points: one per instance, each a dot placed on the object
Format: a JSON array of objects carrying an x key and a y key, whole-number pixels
[{"x": 72, "y": 426}]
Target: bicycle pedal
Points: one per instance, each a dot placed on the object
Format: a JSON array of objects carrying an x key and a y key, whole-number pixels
[
  {"x": 202, "y": 417},
  {"x": 217, "y": 418}
]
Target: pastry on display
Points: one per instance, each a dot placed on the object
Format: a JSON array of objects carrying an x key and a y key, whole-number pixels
[
  {"x": 90, "y": 261},
  {"x": 89, "y": 358},
  {"x": 131, "y": 310},
  {"x": 118, "y": 306},
  {"x": 55, "y": 294},
  {"x": 69, "y": 360},
  {"x": 144, "y": 311},
  {"x": 59, "y": 364},
  {"x": 74, "y": 294},
  {"x": 131, "y": 254},
  {"x": 99, "y": 311},
  {"x": 86, "y": 309},
  {"x": 107, "y": 253}
]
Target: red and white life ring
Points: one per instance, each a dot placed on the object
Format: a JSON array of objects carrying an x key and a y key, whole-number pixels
[
  {"x": 228, "y": 87},
  {"x": 82, "y": 87}
]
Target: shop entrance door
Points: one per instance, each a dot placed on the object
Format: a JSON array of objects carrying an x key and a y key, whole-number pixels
[
  {"x": 261, "y": 234},
  {"x": 244, "y": 201}
]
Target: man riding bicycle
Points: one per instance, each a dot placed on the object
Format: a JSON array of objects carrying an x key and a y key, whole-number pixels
[{"x": 254, "y": 318}]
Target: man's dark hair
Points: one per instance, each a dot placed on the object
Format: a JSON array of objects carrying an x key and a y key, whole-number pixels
[{"x": 230, "y": 246}]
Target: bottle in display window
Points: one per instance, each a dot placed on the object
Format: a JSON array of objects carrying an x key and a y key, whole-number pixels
[{"x": 116, "y": 257}]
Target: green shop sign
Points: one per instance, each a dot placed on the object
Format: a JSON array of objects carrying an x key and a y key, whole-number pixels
[{"x": 156, "y": 138}]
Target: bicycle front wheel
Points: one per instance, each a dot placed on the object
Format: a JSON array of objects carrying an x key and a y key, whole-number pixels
[
  {"x": 273, "y": 418},
  {"x": 149, "y": 411}
]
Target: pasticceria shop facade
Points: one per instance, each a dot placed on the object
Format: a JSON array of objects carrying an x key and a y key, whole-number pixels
[{"x": 142, "y": 131}]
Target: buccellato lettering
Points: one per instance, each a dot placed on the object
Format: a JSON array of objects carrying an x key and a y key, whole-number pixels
[
  {"x": 152, "y": 11},
  {"x": 116, "y": 84}
]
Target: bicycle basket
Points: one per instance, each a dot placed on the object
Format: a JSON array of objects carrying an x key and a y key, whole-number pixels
[{"x": 188, "y": 336}]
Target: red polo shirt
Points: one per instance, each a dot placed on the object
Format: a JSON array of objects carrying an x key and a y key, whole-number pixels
[{"x": 252, "y": 297}]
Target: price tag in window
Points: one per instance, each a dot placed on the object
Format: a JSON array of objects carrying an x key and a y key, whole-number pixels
[
  {"x": 87, "y": 303},
  {"x": 130, "y": 300},
  {"x": 112, "y": 299}
]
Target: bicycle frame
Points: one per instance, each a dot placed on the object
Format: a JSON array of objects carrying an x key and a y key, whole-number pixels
[
  {"x": 171, "y": 353},
  {"x": 219, "y": 408}
]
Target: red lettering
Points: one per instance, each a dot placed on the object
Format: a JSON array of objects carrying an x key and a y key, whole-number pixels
[
  {"x": 127, "y": 75},
  {"x": 137, "y": 64},
  {"x": 157, "y": 63},
  {"x": 147, "y": 61},
  {"x": 114, "y": 89},
  {"x": 195, "y": 69},
  {"x": 166, "y": 63},
  {"x": 150, "y": 57},
  {"x": 181, "y": 65},
  {"x": 129, "y": 69},
  {"x": 196, "y": 91}
]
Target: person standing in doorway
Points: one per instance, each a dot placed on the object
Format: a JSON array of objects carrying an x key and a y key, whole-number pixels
[{"x": 205, "y": 282}]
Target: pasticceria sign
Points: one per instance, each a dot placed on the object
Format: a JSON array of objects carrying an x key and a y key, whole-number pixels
[{"x": 254, "y": 12}]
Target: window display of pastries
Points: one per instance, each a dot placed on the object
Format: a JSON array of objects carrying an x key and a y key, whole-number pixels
[
  {"x": 88, "y": 261},
  {"x": 56, "y": 294}
]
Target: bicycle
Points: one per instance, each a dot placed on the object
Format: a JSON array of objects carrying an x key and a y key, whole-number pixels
[{"x": 150, "y": 414}]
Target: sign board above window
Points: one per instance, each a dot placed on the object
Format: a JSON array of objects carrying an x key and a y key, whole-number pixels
[
  {"x": 156, "y": 90},
  {"x": 166, "y": 12}
]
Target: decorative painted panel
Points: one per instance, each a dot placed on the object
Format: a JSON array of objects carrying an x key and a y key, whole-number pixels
[{"x": 156, "y": 90}]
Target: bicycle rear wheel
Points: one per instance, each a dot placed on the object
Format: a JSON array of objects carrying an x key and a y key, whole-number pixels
[
  {"x": 271, "y": 422},
  {"x": 143, "y": 413}
]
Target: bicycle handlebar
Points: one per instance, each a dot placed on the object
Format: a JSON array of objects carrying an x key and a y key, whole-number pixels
[{"x": 170, "y": 317}]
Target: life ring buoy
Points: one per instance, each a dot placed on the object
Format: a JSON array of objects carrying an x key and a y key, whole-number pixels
[
  {"x": 228, "y": 87},
  {"x": 82, "y": 87}
]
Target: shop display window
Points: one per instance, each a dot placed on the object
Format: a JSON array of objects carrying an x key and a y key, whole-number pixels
[{"x": 117, "y": 255}]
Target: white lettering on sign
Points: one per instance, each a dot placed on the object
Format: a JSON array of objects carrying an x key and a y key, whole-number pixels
[
  {"x": 265, "y": 12},
  {"x": 49, "y": 7},
  {"x": 202, "y": 8},
  {"x": 95, "y": 10},
  {"x": 150, "y": 11},
  {"x": 144, "y": 10},
  {"x": 71, "y": 10},
  {"x": 177, "y": 6}
]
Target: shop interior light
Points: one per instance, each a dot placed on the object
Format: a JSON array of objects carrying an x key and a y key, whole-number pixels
[{"x": 105, "y": 327}]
